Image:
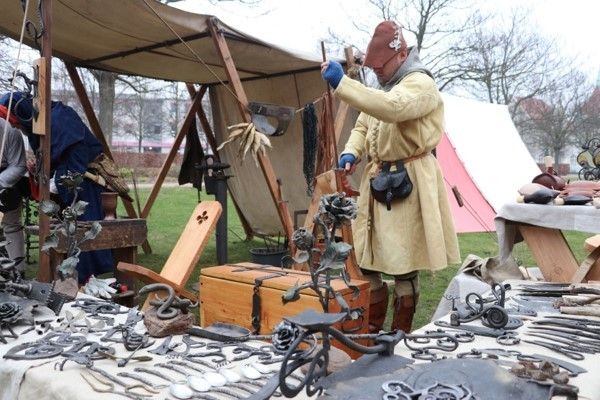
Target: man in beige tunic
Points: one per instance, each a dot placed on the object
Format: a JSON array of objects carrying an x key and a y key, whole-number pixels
[{"x": 401, "y": 120}]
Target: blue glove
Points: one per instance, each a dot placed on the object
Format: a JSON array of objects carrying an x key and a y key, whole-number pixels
[
  {"x": 333, "y": 74},
  {"x": 346, "y": 158}
]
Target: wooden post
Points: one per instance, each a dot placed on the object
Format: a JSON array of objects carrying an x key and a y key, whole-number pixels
[
  {"x": 212, "y": 141},
  {"x": 84, "y": 100},
  {"x": 45, "y": 272},
  {"x": 342, "y": 112},
  {"x": 191, "y": 114},
  {"x": 264, "y": 161}
]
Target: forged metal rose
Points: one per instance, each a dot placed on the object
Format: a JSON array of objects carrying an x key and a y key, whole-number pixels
[
  {"x": 71, "y": 181},
  {"x": 337, "y": 209},
  {"x": 303, "y": 239},
  {"x": 284, "y": 335},
  {"x": 9, "y": 312}
]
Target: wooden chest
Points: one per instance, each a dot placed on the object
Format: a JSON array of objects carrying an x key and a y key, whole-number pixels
[{"x": 226, "y": 295}]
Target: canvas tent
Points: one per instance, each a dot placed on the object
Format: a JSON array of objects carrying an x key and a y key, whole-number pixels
[
  {"x": 142, "y": 37},
  {"x": 483, "y": 155}
]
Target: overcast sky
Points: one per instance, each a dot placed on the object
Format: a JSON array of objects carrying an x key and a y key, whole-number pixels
[{"x": 301, "y": 24}]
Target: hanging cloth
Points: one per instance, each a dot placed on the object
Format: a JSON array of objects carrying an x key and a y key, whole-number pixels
[
  {"x": 309, "y": 130},
  {"x": 192, "y": 155},
  {"x": 326, "y": 151}
]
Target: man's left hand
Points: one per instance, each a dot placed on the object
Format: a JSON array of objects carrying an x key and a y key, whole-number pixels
[{"x": 332, "y": 72}]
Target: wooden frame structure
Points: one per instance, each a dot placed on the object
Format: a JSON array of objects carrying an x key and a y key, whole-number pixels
[{"x": 222, "y": 48}]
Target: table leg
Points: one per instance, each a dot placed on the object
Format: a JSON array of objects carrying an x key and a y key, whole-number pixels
[
  {"x": 551, "y": 252},
  {"x": 125, "y": 254}
]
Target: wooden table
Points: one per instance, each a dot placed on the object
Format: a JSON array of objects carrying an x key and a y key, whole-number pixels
[
  {"x": 541, "y": 227},
  {"x": 122, "y": 236},
  {"x": 588, "y": 384}
]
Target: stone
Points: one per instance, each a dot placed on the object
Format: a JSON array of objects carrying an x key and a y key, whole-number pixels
[{"x": 166, "y": 327}]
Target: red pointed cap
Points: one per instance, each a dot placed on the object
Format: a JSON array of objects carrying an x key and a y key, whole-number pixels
[{"x": 387, "y": 40}]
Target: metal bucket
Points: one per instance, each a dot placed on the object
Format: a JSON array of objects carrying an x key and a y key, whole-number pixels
[{"x": 268, "y": 256}]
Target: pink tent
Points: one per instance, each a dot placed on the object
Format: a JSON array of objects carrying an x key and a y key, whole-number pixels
[
  {"x": 477, "y": 215},
  {"x": 483, "y": 155}
]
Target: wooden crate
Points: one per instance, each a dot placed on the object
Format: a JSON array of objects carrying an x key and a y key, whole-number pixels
[{"x": 226, "y": 296}]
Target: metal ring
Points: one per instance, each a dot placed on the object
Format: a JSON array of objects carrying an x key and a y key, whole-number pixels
[
  {"x": 508, "y": 339},
  {"x": 464, "y": 337},
  {"x": 474, "y": 353}
]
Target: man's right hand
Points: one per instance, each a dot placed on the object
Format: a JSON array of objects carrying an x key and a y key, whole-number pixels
[{"x": 347, "y": 162}]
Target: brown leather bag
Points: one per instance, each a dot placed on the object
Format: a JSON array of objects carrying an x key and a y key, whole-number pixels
[{"x": 550, "y": 180}]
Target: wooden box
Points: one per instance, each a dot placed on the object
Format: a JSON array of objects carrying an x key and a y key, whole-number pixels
[{"x": 226, "y": 296}]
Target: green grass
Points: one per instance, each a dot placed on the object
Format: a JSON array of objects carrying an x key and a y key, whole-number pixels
[{"x": 174, "y": 205}]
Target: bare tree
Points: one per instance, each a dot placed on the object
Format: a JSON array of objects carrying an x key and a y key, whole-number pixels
[
  {"x": 507, "y": 63},
  {"x": 557, "y": 120},
  {"x": 106, "y": 100},
  {"x": 591, "y": 112},
  {"x": 434, "y": 24},
  {"x": 140, "y": 109}
]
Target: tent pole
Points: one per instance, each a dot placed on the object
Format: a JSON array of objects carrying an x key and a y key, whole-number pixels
[
  {"x": 191, "y": 114},
  {"x": 84, "y": 100},
  {"x": 343, "y": 107},
  {"x": 213, "y": 145},
  {"x": 273, "y": 183},
  {"x": 45, "y": 272}
]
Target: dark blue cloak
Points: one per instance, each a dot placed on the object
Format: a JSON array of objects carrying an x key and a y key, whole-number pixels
[{"x": 72, "y": 147}]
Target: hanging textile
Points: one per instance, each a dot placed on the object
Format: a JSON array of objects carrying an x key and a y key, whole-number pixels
[
  {"x": 192, "y": 155},
  {"x": 309, "y": 130}
]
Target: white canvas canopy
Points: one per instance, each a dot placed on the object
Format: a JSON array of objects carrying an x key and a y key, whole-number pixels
[
  {"x": 482, "y": 153},
  {"x": 128, "y": 37}
]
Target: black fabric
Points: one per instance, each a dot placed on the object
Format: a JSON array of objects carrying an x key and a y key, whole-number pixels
[
  {"x": 388, "y": 186},
  {"x": 309, "y": 130},
  {"x": 192, "y": 155},
  {"x": 10, "y": 198}
]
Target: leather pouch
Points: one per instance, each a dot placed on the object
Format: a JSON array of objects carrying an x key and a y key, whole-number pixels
[{"x": 388, "y": 186}]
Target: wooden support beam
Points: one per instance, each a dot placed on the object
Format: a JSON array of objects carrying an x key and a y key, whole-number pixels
[
  {"x": 87, "y": 108},
  {"x": 351, "y": 264},
  {"x": 342, "y": 112},
  {"x": 265, "y": 163},
  {"x": 84, "y": 100},
  {"x": 212, "y": 141},
  {"x": 191, "y": 114},
  {"x": 45, "y": 272}
]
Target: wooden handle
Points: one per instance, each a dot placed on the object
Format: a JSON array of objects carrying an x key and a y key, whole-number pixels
[{"x": 593, "y": 311}]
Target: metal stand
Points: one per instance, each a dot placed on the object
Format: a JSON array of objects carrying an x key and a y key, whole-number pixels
[{"x": 215, "y": 183}]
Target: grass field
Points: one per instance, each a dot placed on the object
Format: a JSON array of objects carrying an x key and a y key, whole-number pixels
[{"x": 175, "y": 204}]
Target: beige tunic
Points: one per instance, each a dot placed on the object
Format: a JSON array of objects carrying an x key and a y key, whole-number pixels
[{"x": 418, "y": 233}]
